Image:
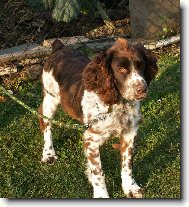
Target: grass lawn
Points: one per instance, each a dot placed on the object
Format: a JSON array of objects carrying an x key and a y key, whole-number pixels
[{"x": 157, "y": 153}]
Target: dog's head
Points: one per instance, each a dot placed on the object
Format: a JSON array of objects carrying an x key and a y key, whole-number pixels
[
  {"x": 133, "y": 68},
  {"x": 123, "y": 69}
]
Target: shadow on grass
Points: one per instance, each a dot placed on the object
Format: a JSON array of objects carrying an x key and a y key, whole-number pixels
[
  {"x": 159, "y": 158},
  {"x": 166, "y": 149},
  {"x": 10, "y": 111},
  {"x": 168, "y": 82}
]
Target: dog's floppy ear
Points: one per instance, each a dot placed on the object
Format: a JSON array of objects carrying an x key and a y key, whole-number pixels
[
  {"x": 57, "y": 45},
  {"x": 98, "y": 78},
  {"x": 150, "y": 59}
]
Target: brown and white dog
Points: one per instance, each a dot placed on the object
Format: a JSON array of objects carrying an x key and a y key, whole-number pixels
[{"x": 104, "y": 93}]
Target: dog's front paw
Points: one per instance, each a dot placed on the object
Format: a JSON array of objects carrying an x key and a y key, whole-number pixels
[
  {"x": 133, "y": 191},
  {"x": 136, "y": 193},
  {"x": 49, "y": 156}
]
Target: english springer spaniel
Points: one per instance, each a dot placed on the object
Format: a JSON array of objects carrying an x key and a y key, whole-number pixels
[{"x": 104, "y": 93}]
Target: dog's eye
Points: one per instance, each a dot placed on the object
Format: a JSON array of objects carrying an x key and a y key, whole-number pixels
[{"x": 123, "y": 70}]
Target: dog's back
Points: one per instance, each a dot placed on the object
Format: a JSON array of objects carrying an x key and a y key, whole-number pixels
[{"x": 66, "y": 66}]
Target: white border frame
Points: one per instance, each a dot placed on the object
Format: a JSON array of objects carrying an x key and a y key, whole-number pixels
[{"x": 184, "y": 202}]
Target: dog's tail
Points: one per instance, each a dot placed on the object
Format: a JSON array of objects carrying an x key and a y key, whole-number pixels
[{"x": 57, "y": 45}]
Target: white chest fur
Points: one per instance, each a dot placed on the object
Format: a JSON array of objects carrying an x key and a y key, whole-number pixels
[{"x": 114, "y": 119}]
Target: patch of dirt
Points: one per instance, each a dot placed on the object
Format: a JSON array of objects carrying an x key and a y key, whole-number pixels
[
  {"x": 122, "y": 28},
  {"x": 21, "y": 24},
  {"x": 170, "y": 49},
  {"x": 13, "y": 81}
]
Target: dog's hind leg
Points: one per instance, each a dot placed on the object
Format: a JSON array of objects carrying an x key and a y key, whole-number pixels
[{"x": 48, "y": 109}]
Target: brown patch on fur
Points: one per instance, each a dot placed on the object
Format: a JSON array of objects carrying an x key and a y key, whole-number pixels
[
  {"x": 94, "y": 154},
  {"x": 123, "y": 158},
  {"x": 90, "y": 139},
  {"x": 123, "y": 145},
  {"x": 138, "y": 194},
  {"x": 130, "y": 195},
  {"x": 43, "y": 125},
  {"x": 92, "y": 159},
  {"x": 93, "y": 131},
  {"x": 51, "y": 160},
  {"x": 123, "y": 165},
  {"x": 129, "y": 164},
  {"x": 97, "y": 172},
  {"x": 86, "y": 145},
  {"x": 72, "y": 106},
  {"x": 130, "y": 151},
  {"x": 87, "y": 142},
  {"x": 67, "y": 65},
  {"x": 141, "y": 191}
]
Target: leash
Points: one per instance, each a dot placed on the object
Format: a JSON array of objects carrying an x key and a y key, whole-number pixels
[
  {"x": 78, "y": 127},
  {"x": 34, "y": 112}
]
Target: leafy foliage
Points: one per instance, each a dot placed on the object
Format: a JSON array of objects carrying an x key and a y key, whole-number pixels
[{"x": 64, "y": 10}]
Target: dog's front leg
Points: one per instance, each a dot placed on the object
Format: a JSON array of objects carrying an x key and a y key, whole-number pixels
[
  {"x": 92, "y": 142},
  {"x": 130, "y": 188}
]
